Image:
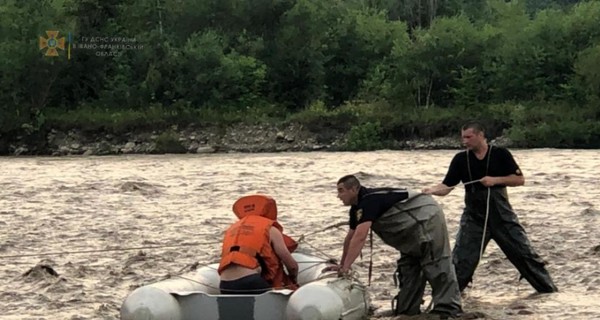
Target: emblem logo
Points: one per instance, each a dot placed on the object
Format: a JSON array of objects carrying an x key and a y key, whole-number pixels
[
  {"x": 52, "y": 43},
  {"x": 359, "y": 214}
]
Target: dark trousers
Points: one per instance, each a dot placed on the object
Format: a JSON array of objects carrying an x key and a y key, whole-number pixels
[
  {"x": 504, "y": 228},
  {"x": 252, "y": 284}
]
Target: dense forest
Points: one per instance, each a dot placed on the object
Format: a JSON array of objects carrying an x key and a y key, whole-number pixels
[{"x": 378, "y": 69}]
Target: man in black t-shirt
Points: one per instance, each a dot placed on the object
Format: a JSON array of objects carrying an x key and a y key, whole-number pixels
[
  {"x": 414, "y": 224},
  {"x": 486, "y": 171}
]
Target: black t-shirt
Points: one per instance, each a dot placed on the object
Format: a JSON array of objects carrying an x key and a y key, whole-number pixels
[
  {"x": 498, "y": 162},
  {"x": 373, "y": 202}
]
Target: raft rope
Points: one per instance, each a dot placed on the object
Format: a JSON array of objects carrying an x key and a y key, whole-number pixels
[
  {"x": 487, "y": 206},
  {"x": 487, "y": 214},
  {"x": 107, "y": 250},
  {"x": 191, "y": 244},
  {"x": 316, "y": 263},
  {"x": 302, "y": 238},
  {"x": 430, "y": 305},
  {"x": 196, "y": 264},
  {"x": 464, "y": 184},
  {"x": 335, "y": 225},
  {"x": 370, "y": 256}
]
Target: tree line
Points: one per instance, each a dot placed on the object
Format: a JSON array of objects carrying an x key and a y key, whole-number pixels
[{"x": 399, "y": 68}]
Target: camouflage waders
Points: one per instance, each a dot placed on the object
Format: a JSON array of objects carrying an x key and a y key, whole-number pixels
[{"x": 417, "y": 228}]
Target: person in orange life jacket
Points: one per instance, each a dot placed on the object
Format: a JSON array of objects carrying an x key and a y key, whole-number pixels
[{"x": 255, "y": 250}]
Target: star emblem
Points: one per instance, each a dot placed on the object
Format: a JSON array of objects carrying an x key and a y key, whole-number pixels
[{"x": 52, "y": 43}]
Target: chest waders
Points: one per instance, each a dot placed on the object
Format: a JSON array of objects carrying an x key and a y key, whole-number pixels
[
  {"x": 488, "y": 215},
  {"x": 417, "y": 228},
  {"x": 487, "y": 203}
]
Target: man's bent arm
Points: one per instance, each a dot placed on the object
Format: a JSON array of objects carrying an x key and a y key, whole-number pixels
[
  {"x": 438, "y": 190},
  {"x": 356, "y": 244},
  {"x": 349, "y": 236},
  {"x": 512, "y": 180}
]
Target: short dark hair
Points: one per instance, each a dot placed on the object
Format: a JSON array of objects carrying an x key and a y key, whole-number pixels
[
  {"x": 476, "y": 126},
  {"x": 349, "y": 181}
]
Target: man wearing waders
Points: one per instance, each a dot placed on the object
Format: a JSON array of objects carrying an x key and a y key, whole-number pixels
[
  {"x": 486, "y": 171},
  {"x": 413, "y": 224}
]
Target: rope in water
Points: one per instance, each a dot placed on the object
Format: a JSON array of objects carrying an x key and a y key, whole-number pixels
[
  {"x": 191, "y": 244},
  {"x": 316, "y": 263},
  {"x": 301, "y": 238},
  {"x": 464, "y": 184},
  {"x": 487, "y": 214},
  {"x": 430, "y": 306},
  {"x": 107, "y": 250},
  {"x": 194, "y": 266},
  {"x": 483, "y": 235}
]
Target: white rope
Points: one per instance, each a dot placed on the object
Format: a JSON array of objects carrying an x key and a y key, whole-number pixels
[
  {"x": 60, "y": 253},
  {"x": 487, "y": 214},
  {"x": 450, "y": 188},
  {"x": 316, "y": 263}
]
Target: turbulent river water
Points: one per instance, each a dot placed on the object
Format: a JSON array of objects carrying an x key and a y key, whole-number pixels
[{"x": 80, "y": 233}]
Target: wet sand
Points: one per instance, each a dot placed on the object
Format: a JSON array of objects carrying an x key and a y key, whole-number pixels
[{"x": 173, "y": 208}]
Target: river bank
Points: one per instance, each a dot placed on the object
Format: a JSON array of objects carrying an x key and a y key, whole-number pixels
[{"x": 211, "y": 139}]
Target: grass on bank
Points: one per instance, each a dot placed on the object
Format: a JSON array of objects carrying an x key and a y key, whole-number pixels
[
  {"x": 367, "y": 126},
  {"x": 155, "y": 117}
]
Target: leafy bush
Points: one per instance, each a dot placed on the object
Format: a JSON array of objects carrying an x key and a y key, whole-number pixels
[
  {"x": 318, "y": 116},
  {"x": 168, "y": 142},
  {"x": 364, "y": 137},
  {"x": 555, "y": 126}
]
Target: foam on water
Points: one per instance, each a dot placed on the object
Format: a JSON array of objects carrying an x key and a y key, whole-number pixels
[{"x": 74, "y": 204}]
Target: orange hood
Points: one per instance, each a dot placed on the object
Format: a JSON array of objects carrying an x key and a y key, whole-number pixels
[{"x": 264, "y": 206}]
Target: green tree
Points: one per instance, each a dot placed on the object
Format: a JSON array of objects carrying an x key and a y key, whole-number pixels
[
  {"x": 296, "y": 57},
  {"x": 27, "y": 76},
  {"x": 587, "y": 75},
  {"x": 423, "y": 72},
  {"x": 355, "y": 45}
]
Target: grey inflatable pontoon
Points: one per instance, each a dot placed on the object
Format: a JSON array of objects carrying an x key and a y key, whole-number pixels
[{"x": 195, "y": 296}]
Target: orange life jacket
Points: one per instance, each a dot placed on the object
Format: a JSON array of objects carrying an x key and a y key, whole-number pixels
[{"x": 247, "y": 242}]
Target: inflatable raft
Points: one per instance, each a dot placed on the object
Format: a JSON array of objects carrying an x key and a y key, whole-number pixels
[{"x": 195, "y": 296}]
